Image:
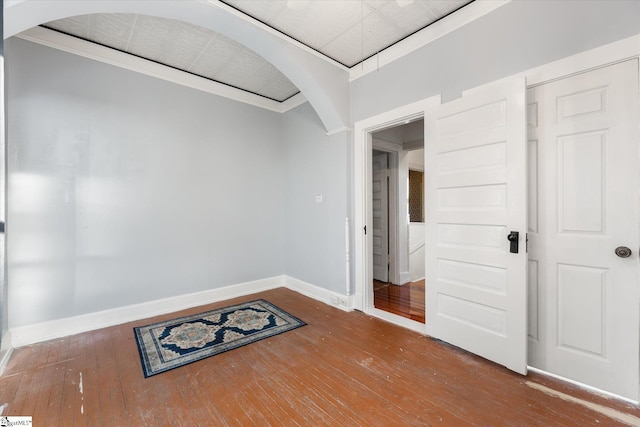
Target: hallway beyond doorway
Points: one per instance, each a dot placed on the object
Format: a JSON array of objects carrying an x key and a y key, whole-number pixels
[{"x": 406, "y": 300}]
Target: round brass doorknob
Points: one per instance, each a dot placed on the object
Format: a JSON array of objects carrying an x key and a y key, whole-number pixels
[{"x": 623, "y": 252}]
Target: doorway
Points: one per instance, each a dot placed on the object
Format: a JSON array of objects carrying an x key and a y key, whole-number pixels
[{"x": 397, "y": 256}]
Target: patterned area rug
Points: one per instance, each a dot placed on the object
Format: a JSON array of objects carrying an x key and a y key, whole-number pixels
[{"x": 177, "y": 342}]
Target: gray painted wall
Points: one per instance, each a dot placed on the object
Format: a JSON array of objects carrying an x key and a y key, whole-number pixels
[
  {"x": 517, "y": 36},
  {"x": 314, "y": 232},
  {"x": 124, "y": 188}
]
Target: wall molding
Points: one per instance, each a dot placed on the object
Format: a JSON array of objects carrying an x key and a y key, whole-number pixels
[
  {"x": 87, "y": 49},
  {"x": 433, "y": 32},
  {"x": 114, "y": 57},
  {"x": 44, "y": 331},
  {"x": 326, "y": 296},
  {"x": 30, "y": 334},
  {"x": 5, "y": 351},
  {"x": 339, "y": 130}
]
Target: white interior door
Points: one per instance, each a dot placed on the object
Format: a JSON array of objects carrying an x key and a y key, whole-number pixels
[
  {"x": 475, "y": 176},
  {"x": 380, "y": 207},
  {"x": 583, "y": 136}
]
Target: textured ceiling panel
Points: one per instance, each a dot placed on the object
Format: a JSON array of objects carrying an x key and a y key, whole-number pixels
[
  {"x": 334, "y": 27},
  {"x": 187, "y": 47},
  {"x": 347, "y": 31}
]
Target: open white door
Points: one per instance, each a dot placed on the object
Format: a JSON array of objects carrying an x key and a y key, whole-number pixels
[{"x": 475, "y": 189}]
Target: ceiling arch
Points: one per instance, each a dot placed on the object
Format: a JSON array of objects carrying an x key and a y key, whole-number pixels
[{"x": 324, "y": 85}]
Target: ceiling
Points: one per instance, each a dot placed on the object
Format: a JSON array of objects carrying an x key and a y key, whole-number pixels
[
  {"x": 344, "y": 31},
  {"x": 347, "y": 31}
]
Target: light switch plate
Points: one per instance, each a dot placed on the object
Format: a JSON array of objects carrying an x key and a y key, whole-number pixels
[{"x": 319, "y": 198}]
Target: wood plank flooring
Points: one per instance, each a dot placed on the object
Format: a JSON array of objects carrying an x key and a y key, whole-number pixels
[
  {"x": 406, "y": 300},
  {"x": 342, "y": 369}
]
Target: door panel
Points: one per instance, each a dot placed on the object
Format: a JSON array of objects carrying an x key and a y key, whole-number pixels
[
  {"x": 585, "y": 139},
  {"x": 380, "y": 205},
  {"x": 475, "y": 170}
]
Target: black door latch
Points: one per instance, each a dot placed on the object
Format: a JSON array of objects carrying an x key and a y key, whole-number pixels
[{"x": 513, "y": 238}]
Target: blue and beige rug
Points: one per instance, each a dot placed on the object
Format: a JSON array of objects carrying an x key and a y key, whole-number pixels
[{"x": 173, "y": 343}]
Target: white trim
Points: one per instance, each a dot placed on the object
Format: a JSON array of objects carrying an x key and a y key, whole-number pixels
[
  {"x": 104, "y": 54},
  {"x": 124, "y": 60},
  {"x": 335, "y": 299},
  {"x": 405, "y": 277},
  {"x": 339, "y": 130},
  {"x": 456, "y": 20},
  {"x": 25, "y": 335},
  {"x": 393, "y": 227},
  {"x": 347, "y": 251},
  {"x": 291, "y": 103},
  {"x": 587, "y": 387},
  {"x": 31, "y": 334},
  {"x": 5, "y": 351},
  {"x": 467, "y": 14},
  {"x": 598, "y": 57},
  {"x": 363, "y": 297},
  {"x": 399, "y": 320}
]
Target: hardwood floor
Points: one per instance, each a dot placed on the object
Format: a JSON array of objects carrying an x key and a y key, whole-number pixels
[
  {"x": 342, "y": 369},
  {"x": 406, "y": 300}
]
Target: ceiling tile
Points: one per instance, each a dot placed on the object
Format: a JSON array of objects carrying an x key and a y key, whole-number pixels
[
  {"x": 116, "y": 26},
  {"x": 218, "y": 53},
  {"x": 274, "y": 84},
  {"x": 77, "y": 25},
  {"x": 332, "y": 27},
  {"x": 349, "y": 47},
  {"x": 318, "y": 23}
]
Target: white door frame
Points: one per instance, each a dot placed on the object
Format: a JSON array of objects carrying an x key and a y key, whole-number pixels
[
  {"x": 363, "y": 299},
  {"x": 606, "y": 55}
]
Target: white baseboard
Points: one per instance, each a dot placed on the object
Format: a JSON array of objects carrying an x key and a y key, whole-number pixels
[
  {"x": 405, "y": 277},
  {"x": 326, "y": 296},
  {"x": 30, "y": 334},
  {"x": 5, "y": 351},
  {"x": 584, "y": 386}
]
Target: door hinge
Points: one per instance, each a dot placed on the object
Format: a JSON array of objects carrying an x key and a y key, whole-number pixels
[{"x": 365, "y": 230}]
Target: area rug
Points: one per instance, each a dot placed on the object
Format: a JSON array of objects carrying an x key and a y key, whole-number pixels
[{"x": 173, "y": 343}]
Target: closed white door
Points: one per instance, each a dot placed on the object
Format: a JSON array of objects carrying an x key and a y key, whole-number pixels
[
  {"x": 583, "y": 197},
  {"x": 475, "y": 189},
  {"x": 380, "y": 205}
]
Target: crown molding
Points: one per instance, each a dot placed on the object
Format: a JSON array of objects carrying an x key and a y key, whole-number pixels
[
  {"x": 438, "y": 29},
  {"x": 124, "y": 60}
]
